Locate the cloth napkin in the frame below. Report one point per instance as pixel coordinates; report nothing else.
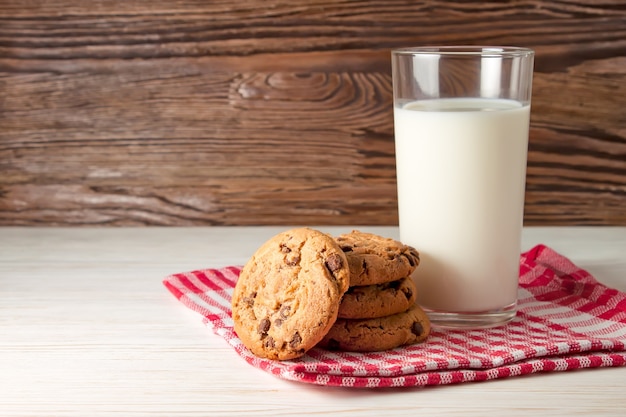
(566, 320)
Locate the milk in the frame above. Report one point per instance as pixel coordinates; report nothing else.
(461, 168)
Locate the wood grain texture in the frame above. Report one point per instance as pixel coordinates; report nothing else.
(270, 112)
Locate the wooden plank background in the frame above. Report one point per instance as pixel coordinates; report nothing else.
(280, 112)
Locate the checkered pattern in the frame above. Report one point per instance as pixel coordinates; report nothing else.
(566, 320)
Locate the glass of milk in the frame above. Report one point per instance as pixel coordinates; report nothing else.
(461, 118)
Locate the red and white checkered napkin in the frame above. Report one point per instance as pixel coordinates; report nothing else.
(566, 320)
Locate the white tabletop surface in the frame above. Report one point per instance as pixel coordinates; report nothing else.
(87, 329)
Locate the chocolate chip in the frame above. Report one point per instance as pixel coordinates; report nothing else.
(407, 293)
(284, 311)
(293, 260)
(269, 342)
(264, 327)
(249, 300)
(295, 340)
(346, 248)
(412, 256)
(278, 322)
(334, 262)
(417, 328)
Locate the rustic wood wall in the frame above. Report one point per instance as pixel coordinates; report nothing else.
(128, 112)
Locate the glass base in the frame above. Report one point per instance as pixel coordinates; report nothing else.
(468, 321)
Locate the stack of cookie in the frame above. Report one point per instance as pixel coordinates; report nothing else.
(378, 311)
(304, 288)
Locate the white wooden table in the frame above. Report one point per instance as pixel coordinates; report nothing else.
(87, 329)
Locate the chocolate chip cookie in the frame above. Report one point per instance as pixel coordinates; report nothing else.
(287, 295)
(375, 259)
(372, 335)
(378, 300)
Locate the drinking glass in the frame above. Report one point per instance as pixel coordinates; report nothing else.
(461, 120)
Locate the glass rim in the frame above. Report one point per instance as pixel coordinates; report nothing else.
(465, 50)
